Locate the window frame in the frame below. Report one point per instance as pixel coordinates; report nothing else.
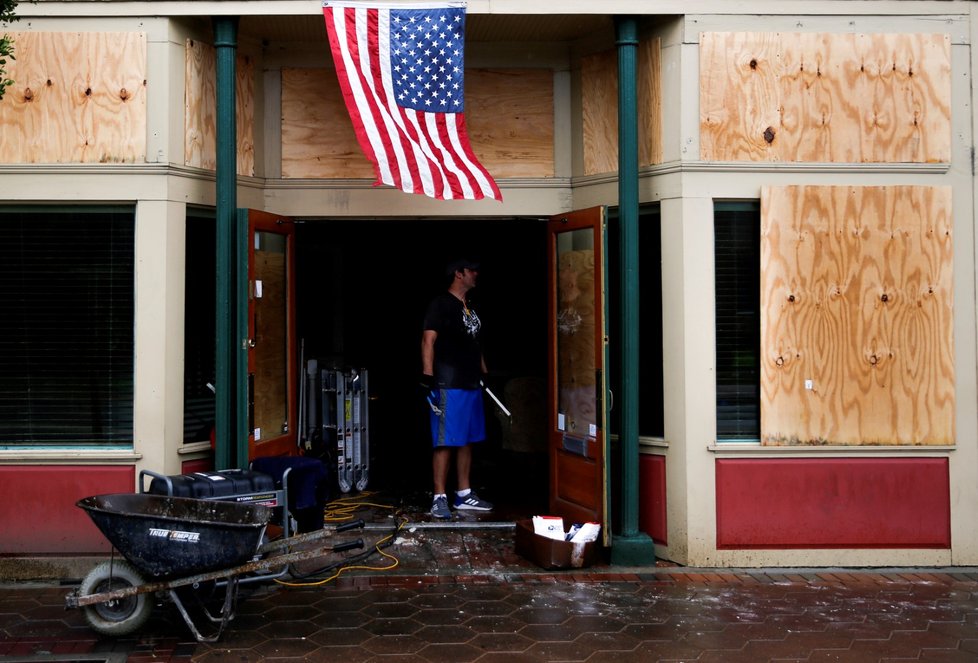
(749, 330)
(107, 326)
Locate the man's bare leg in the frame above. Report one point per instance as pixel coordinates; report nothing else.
(440, 458)
(463, 465)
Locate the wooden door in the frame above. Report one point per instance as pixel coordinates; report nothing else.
(272, 360)
(577, 345)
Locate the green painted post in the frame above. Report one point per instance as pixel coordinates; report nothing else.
(225, 379)
(631, 547)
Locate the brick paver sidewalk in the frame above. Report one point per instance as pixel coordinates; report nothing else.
(668, 615)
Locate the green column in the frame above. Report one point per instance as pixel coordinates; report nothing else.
(630, 547)
(225, 378)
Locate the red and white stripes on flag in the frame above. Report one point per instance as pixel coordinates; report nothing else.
(400, 69)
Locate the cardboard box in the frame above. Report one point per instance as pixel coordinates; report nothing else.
(551, 553)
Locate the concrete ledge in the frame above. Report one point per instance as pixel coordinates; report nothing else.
(49, 570)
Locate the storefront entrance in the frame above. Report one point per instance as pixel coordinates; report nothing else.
(361, 291)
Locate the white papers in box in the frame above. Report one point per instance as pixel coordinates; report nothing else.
(588, 532)
(551, 527)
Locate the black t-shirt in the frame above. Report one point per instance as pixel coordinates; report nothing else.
(458, 347)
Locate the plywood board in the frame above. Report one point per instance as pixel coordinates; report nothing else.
(816, 97)
(271, 343)
(508, 113)
(200, 109)
(77, 97)
(649, 102)
(510, 119)
(599, 112)
(576, 325)
(599, 102)
(857, 298)
(317, 134)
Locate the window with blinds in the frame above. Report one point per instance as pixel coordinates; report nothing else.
(737, 249)
(66, 342)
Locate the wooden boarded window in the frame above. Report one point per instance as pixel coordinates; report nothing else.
(857, 316)
(77, 97)
(509, 115)
(840, 98)
(200, 111)
(599, 101)
(317, 136)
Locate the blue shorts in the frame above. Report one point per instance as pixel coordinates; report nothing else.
(462, 419)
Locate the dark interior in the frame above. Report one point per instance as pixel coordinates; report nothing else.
(362, 287)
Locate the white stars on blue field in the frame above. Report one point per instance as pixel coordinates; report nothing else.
(427, 58)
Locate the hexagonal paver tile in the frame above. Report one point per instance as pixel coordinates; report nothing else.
(445, 634)
(594, 623)
(450, 653)
(486, 608)
(494, 624)
(335, 637)
(393, 644)
(341, 620)
(561, 651)
(389, 610)
(289, 613)
(392, 626)
(491, 642)
(283, 648)
(444, 616)
(289, 629)
(540, 615)
(347, 654)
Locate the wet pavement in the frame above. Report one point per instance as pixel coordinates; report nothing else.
(459, 592)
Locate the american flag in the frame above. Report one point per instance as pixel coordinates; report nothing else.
(400, 69)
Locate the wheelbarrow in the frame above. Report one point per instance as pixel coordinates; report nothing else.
(171, 543)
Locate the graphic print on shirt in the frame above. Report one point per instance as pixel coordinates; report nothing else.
(471, 321)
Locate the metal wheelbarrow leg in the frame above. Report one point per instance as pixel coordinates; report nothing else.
(225, 616)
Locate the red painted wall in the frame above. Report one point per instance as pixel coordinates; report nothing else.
(38, 512)
(197, 465)
(652, 497)
(833, 503)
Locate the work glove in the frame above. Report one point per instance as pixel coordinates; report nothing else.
(429, 389)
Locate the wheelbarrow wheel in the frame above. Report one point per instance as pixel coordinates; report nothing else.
(118, 616)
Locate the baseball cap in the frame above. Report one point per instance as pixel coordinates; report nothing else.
(459, 264)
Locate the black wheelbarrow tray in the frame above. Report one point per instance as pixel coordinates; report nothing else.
(176, 542)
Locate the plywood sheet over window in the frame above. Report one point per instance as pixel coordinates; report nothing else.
(317, 135)
(857, 316)
(77, 97)
(842, 98)
(200, 110)
(599, 101)
(509, 116)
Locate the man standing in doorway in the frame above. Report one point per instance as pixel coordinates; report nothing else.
(452, 366)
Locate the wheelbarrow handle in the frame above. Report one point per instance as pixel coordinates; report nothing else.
(348, 545)
(356, 524)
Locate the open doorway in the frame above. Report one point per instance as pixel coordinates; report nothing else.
(361, 290)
